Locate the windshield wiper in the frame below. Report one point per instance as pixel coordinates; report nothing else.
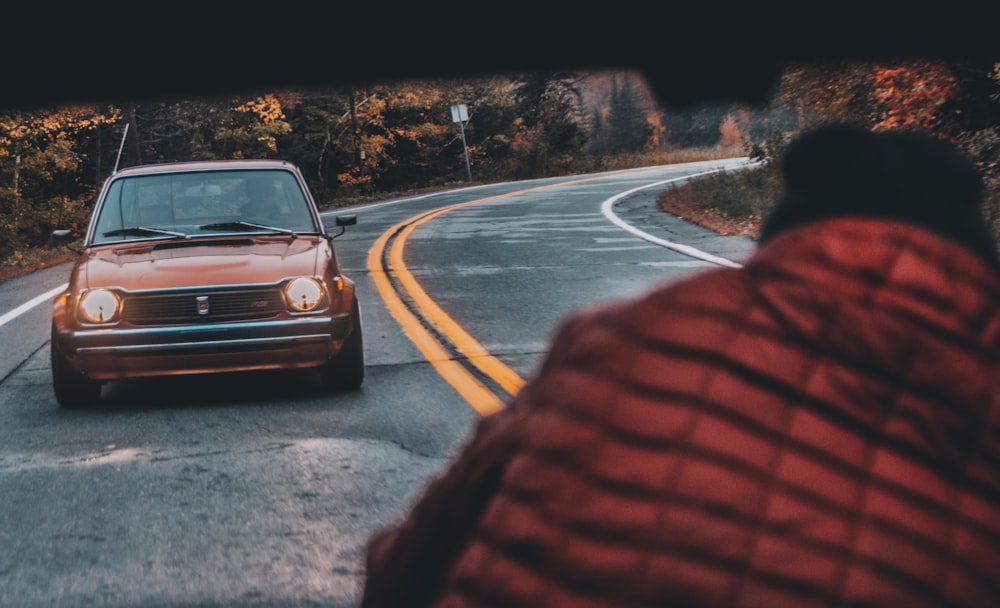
(244, 226)
(144, 231)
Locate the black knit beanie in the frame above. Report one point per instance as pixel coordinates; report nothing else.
(842, 170)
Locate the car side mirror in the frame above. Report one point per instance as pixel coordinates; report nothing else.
(343, 221)
(63, 236)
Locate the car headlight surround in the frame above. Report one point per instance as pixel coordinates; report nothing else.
(99, 306)
(304, 294)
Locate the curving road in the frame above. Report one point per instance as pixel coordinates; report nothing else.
(252, 490)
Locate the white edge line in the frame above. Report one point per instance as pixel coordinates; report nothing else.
(23, 308)
(608, 211)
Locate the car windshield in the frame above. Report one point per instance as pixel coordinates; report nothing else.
(145, 207)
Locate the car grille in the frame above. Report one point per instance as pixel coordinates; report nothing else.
(229, 305)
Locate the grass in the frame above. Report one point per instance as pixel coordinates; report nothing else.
(735, 203)
(730, 203)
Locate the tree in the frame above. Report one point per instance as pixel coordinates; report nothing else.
(489, 132)
(696, 127)
(909, 95)
(207, 129)
(836, 91)
(417, 124)
(252, 127)
(730, 133)
(628, 129)
(971, 116)
(45, 171)
(320, 140)
(398, 134)
(549, 121)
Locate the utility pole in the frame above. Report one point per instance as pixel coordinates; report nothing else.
(460, 114)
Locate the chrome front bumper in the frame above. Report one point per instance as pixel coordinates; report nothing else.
(116, 353)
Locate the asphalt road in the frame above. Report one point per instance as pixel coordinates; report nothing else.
(253, 489)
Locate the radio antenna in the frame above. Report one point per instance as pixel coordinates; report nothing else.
(120, 146)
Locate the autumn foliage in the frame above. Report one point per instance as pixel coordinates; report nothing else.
(959, 102)
(910, 96)
(389, 137)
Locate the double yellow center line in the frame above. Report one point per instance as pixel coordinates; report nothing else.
(481, 398)
(384, 268)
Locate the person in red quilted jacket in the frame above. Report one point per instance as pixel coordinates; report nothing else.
(820, 427)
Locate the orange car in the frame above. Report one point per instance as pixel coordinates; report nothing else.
(203, 267)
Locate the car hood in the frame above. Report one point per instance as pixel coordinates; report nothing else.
(201, 262)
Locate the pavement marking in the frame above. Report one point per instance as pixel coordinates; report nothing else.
(481, 398)
(474, 392)
(466, 344)
(23, 308)
(608, 210)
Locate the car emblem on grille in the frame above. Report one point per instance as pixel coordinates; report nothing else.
(202, 305)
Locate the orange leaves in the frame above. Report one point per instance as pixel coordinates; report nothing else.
(909, 95)
(730, 132)
(902, 94)
(267, 109)
(836, 91)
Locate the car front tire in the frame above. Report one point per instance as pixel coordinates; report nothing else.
(72, 389)
(346, 371)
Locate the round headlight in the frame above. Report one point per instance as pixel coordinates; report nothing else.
(304, 294)
(99, 306)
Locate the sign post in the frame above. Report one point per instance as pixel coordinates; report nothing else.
(460, 114)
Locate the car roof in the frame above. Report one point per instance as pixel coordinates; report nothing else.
(204, 165)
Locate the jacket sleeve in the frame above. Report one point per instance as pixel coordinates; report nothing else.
(407, 564)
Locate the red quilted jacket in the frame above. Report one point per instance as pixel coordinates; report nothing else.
(818, 428)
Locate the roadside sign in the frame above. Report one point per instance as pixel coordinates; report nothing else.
(460, 114)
